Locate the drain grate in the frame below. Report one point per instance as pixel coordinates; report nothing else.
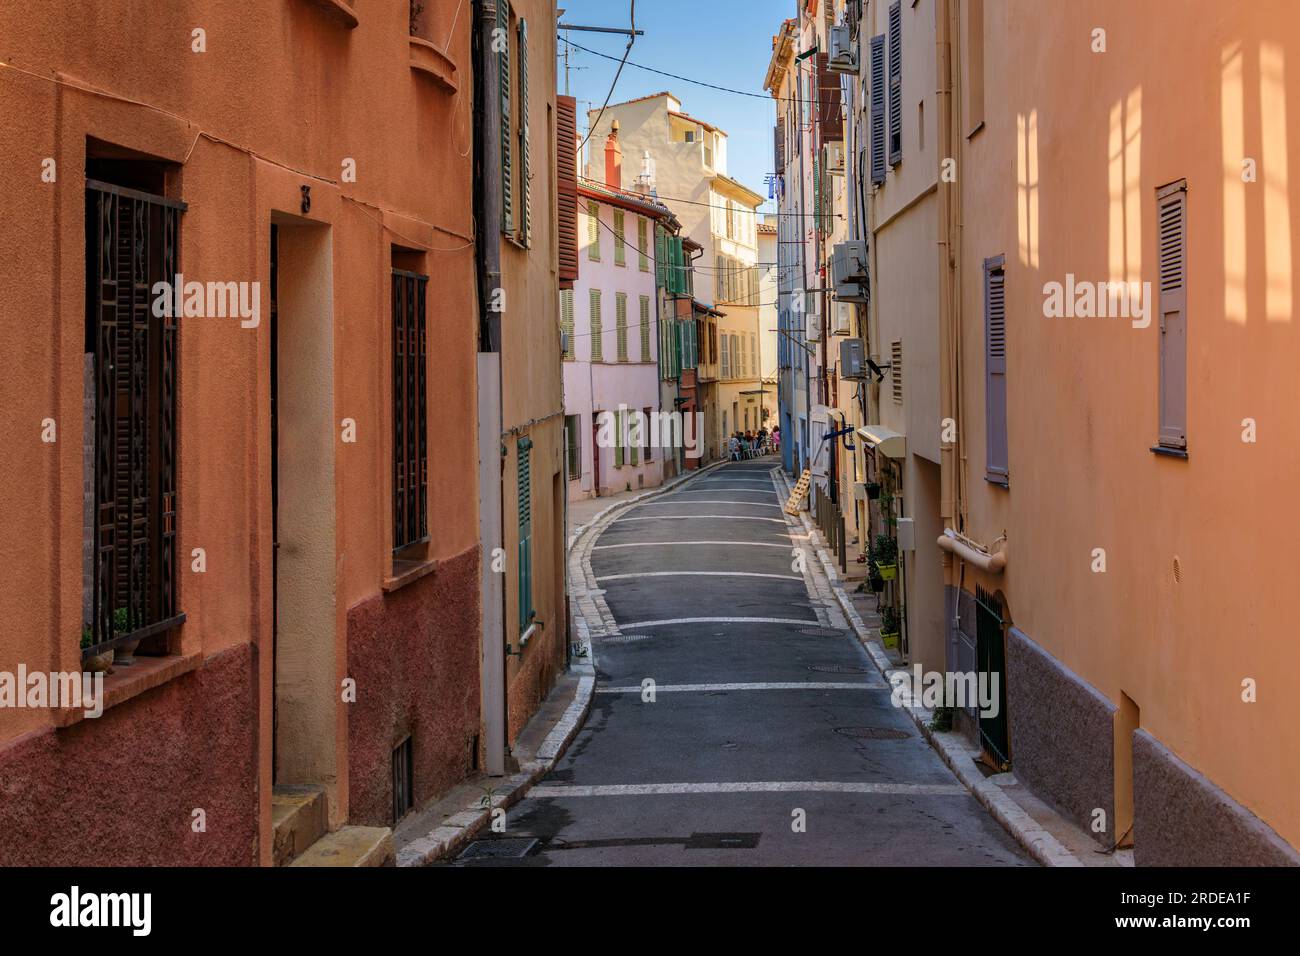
(872, 733)
(722, 841)
(507, 848)
(837, 669)
(822, 632)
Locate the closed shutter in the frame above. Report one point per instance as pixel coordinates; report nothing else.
(597, 346)
(895, 85)
(1171, 220)
(643, 263)
(878, 109)
(661, 255)
(526, 174)
(829, 116)
(778, 147)
(618, 438)
(523, 451)
(645, 328)
(566, 323)
(620, 324)
(620, 250)
(593, 231)
(507, 164)
(633, 437)
(995, 371)
(566, 176)
(573, 441)
(726, 357)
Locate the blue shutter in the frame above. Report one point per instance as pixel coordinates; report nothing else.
(878, 109)
(995, 372)
(895, 85)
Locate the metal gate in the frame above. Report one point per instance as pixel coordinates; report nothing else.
(990, 654)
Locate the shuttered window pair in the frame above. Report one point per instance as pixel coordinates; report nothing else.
(516, 186)
(887, 97)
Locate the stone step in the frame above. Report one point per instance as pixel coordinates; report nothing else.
(299, 817)
(351, 846)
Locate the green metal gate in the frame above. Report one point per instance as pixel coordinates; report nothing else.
(990, 654)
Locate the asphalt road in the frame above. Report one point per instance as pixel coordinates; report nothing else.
(768, 741)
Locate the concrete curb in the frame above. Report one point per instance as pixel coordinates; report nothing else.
(591, 616)
(952, 748)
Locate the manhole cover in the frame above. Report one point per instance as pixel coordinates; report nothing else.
(509, 848)
(722, 841)
(837, 669)
(872, 733)
(821, 632)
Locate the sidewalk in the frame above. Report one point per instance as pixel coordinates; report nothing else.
(1045, 834)
(443, 828)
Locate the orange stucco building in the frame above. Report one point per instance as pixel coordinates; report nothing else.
(278, 503)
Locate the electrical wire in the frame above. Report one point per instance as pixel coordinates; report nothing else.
(617, 73)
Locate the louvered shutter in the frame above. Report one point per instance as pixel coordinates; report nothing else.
(566, 160)
(1171, 221)
(995, 371)
(620, 246)
(507, 147)
(620, 324)
(526, 174)
(817, 191)
(895, 85)
(523, 451)
(878, 109)
(593, 231)
(778, 147)
(645, 328)
(566, 323)
(643, 263)
(661, 246)
(896, 369)
(618, 438)
(828, 101)
(597, 346)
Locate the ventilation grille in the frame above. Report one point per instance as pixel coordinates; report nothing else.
(896, 369)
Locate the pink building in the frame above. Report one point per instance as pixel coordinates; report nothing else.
(611, 320)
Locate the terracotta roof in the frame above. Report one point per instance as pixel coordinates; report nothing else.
(692, 119)
(624, 199)
(766, 229)
(640, 99)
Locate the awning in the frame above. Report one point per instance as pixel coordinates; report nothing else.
(889, 443)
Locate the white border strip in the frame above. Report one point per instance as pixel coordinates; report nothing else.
(779, 786)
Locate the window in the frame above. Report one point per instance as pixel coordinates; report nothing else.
(753, 355)
(573, 443)
(410, 429)
(516, 172)
(896, 369)
(895, 84)
(645, 328)
(566, 324)
(597, 346)
(1171, 222)
(646, 444)
(619, 425)
(974, 66)
(593, 231)
(725, 371)
(620, 324)
(132, 241)
(524, 492)
(878, 109)
(642, 262)
(620, 248)
(995, 372)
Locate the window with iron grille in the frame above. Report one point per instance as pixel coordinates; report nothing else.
(132, 242)
(410, 424)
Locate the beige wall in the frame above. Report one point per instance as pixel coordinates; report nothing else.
(1183, 91)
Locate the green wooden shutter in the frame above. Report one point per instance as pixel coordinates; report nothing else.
(597, 346)
(634, 444)
(620, 324)
(618, 438)
(566, 323)
(661, 254)
(523, 451)
(593, 231)
(645, 328)
(507, 166)
(620, 249)
(524, 151)
(642, 262)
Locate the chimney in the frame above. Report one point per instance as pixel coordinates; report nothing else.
(645, 180)
(613, 158)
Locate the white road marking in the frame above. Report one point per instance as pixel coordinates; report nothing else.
(779, 786)
(709, 501)
(707, 688)
(673, 544)
(684, 517)
(803, 621)
(707, 574)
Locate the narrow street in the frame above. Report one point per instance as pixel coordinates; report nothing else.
(763, 718)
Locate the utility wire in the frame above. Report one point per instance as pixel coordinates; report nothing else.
(713, 205)
(631, 38)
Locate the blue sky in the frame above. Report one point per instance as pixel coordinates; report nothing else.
(727, 42)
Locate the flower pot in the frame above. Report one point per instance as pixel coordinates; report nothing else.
(873, 490)
(125, 653)
(887, 571)
(889, 638)
(101, 663)
(877, 584)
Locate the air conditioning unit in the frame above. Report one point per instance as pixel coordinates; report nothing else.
(833, 158)
(841, 318)
(812, 317)
(844, 58)
(849, 270)
(853, 360)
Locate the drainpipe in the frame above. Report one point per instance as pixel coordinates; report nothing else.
(948, 292)
(487, 212)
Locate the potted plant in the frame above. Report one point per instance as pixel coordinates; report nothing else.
(101, 663)
(873, 490)
(890, 626)
(125, 654)
(886, 553)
